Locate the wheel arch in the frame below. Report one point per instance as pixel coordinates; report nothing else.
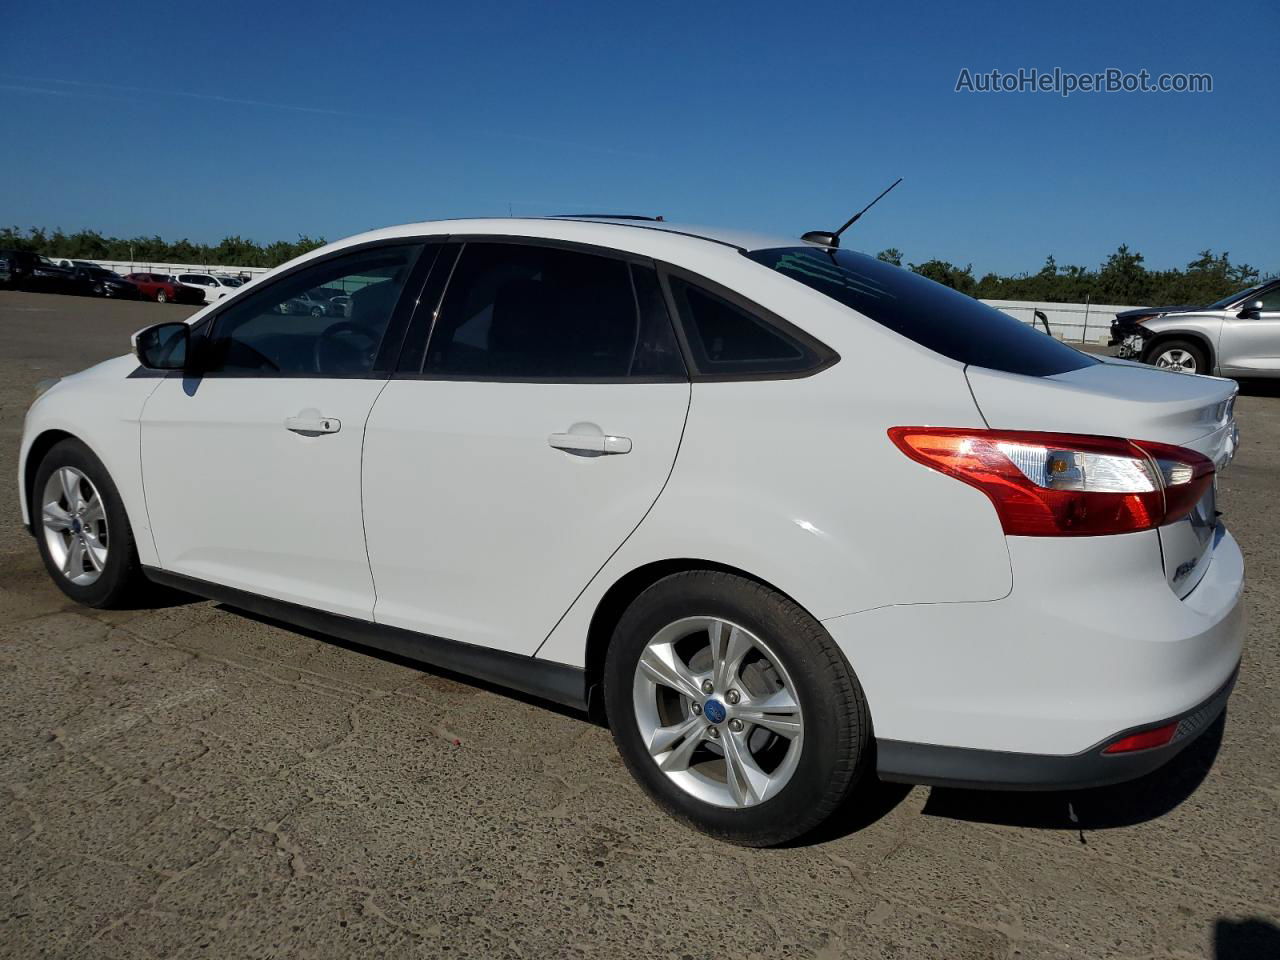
(1164, 336)
(40, 446)
(615, 600)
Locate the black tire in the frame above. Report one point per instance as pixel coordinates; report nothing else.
(834, 756)
(161, 297)
(317, 311)
(1189, 348)
(121, 579)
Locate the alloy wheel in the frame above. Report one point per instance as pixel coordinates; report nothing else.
(1176, 360)
(718, 712)
(74, 520)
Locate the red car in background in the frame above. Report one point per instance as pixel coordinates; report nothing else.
(163, 288)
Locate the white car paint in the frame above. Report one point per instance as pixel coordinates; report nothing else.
(486, 482)
(209, 450)
(458, 519)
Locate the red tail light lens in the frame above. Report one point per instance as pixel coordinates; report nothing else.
(1157, 737)
(1055, 484)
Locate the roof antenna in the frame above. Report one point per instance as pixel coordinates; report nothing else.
(833, 239)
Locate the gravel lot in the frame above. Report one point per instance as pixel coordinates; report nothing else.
(190, 781)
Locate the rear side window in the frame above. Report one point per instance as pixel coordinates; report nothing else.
(726, 339)
(527, 312)
(937, 317)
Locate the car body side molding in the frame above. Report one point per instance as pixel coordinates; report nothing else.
(545, 679)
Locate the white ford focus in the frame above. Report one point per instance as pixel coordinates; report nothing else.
(787, 515)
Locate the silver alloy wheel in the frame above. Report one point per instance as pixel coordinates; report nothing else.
(75, 525)
(718, 712)
(1176, 360)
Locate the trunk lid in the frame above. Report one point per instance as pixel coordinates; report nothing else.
(1116, 398)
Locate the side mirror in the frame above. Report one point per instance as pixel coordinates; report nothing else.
(1250, 311)
(163, 346)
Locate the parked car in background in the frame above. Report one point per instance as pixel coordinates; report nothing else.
(6, 275)
(213, 286)
(165, 289)
(98, 281)
(1238, 336)
(31, 271)
(743, 495)
(317, 303)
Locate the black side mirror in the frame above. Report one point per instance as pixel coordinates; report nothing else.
(162, 347)
(1250, 311)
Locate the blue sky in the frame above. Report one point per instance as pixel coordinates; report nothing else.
(275, 119)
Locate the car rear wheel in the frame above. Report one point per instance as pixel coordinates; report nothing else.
(734, 709)
(1178, 356)
(317, 311)
(81, 528)
(161, 297)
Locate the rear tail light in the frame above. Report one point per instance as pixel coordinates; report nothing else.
(1055, 485)
(1145, 740)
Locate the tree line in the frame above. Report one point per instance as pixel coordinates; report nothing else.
(91, 245)
(1122, 278)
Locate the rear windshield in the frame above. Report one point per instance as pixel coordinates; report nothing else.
(944, 320)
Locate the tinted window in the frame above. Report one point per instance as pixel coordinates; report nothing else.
(944, 320)
(279, 331)
(516, 311)
(728, 340)
(1270, 300)
(1243, 296)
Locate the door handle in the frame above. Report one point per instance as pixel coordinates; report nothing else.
(311, 426)
(589, 443)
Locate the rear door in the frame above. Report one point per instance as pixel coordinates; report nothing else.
(522, 444)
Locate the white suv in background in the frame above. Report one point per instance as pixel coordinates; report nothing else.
(790, 517)
(215, 286)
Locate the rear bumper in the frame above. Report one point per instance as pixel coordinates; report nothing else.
(1026, 691)
(905, 762)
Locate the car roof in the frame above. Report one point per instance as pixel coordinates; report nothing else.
(606, 231)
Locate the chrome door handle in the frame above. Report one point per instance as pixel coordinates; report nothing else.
(588, 443)
(312, 425)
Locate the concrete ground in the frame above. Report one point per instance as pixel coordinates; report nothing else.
(189, 781)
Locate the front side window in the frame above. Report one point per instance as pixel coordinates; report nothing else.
(937, 317)
(1270, 300)
(282, 330)
(529, 312)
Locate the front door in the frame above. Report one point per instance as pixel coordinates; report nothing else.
(251, 461)
(1250, 345)
(526, 445)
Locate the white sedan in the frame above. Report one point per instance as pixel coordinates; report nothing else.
(788, 516)
(215, 286)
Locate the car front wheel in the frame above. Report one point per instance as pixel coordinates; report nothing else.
(161, 297)
(81, 528)
(734, 709)
(1178, 356)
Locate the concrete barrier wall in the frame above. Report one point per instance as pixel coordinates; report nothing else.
(143, 266)
(1076, 322)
